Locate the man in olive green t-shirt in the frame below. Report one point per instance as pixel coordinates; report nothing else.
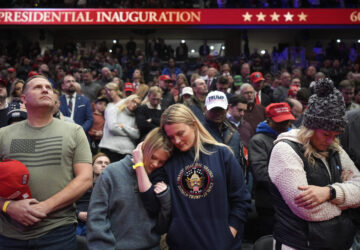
(58, 157)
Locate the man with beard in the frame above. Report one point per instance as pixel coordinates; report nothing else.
(255, 113)
(75, 106)
(219, 127)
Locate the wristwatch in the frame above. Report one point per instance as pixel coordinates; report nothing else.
(332, 192)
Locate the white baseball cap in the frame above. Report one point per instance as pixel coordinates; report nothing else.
(216, 99)
(187, 90)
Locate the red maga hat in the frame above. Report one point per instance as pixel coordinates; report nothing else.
(32, 73)
(12, 70)
(256, 76)
(129, 87)
(279, 112)
(14, 179)
(165, 78)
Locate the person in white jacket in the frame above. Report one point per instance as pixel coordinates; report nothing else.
(120, 131)
(313, 180)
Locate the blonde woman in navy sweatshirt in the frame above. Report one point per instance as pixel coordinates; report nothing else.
(208, 193)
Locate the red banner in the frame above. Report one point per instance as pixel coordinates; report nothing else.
(179, 16)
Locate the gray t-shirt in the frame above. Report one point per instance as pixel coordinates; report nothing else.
(49, 153)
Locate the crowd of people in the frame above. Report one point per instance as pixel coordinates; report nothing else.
(181, 151)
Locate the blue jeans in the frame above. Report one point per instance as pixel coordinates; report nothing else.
(61, 238)
(81, 228)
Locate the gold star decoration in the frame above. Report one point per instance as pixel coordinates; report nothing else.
(275, 17)
(302, 17)
(261, 17)
(247, 17)
(288, 17)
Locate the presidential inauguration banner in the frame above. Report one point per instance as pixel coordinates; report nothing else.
(180, 17)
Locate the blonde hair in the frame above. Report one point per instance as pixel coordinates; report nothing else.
(179, 113)
(114, 86)
(124, 104)
(304, 136)
(153, 90)
(142, 90)
(156, 139)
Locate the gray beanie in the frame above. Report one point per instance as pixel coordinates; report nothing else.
(326, 108)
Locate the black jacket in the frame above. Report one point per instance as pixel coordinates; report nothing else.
(229, 136)
(259, 149)
(167, 99)
(289, 229)
(142, 114)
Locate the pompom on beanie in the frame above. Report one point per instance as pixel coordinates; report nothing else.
(326, 108)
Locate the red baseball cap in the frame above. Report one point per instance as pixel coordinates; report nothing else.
(279, 112)
(256, 76)
(14, 179)
(32, 73)
(165, 78)
(12, 70)
(129, 87)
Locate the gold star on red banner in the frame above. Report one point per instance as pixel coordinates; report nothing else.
(275, 17)
(302, 17)
(247, 17)
(288, 17)
(261, 17)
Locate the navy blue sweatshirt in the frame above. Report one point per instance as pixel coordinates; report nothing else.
(207, 197)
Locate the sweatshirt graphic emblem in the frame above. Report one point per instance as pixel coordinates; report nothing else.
(195, 181)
